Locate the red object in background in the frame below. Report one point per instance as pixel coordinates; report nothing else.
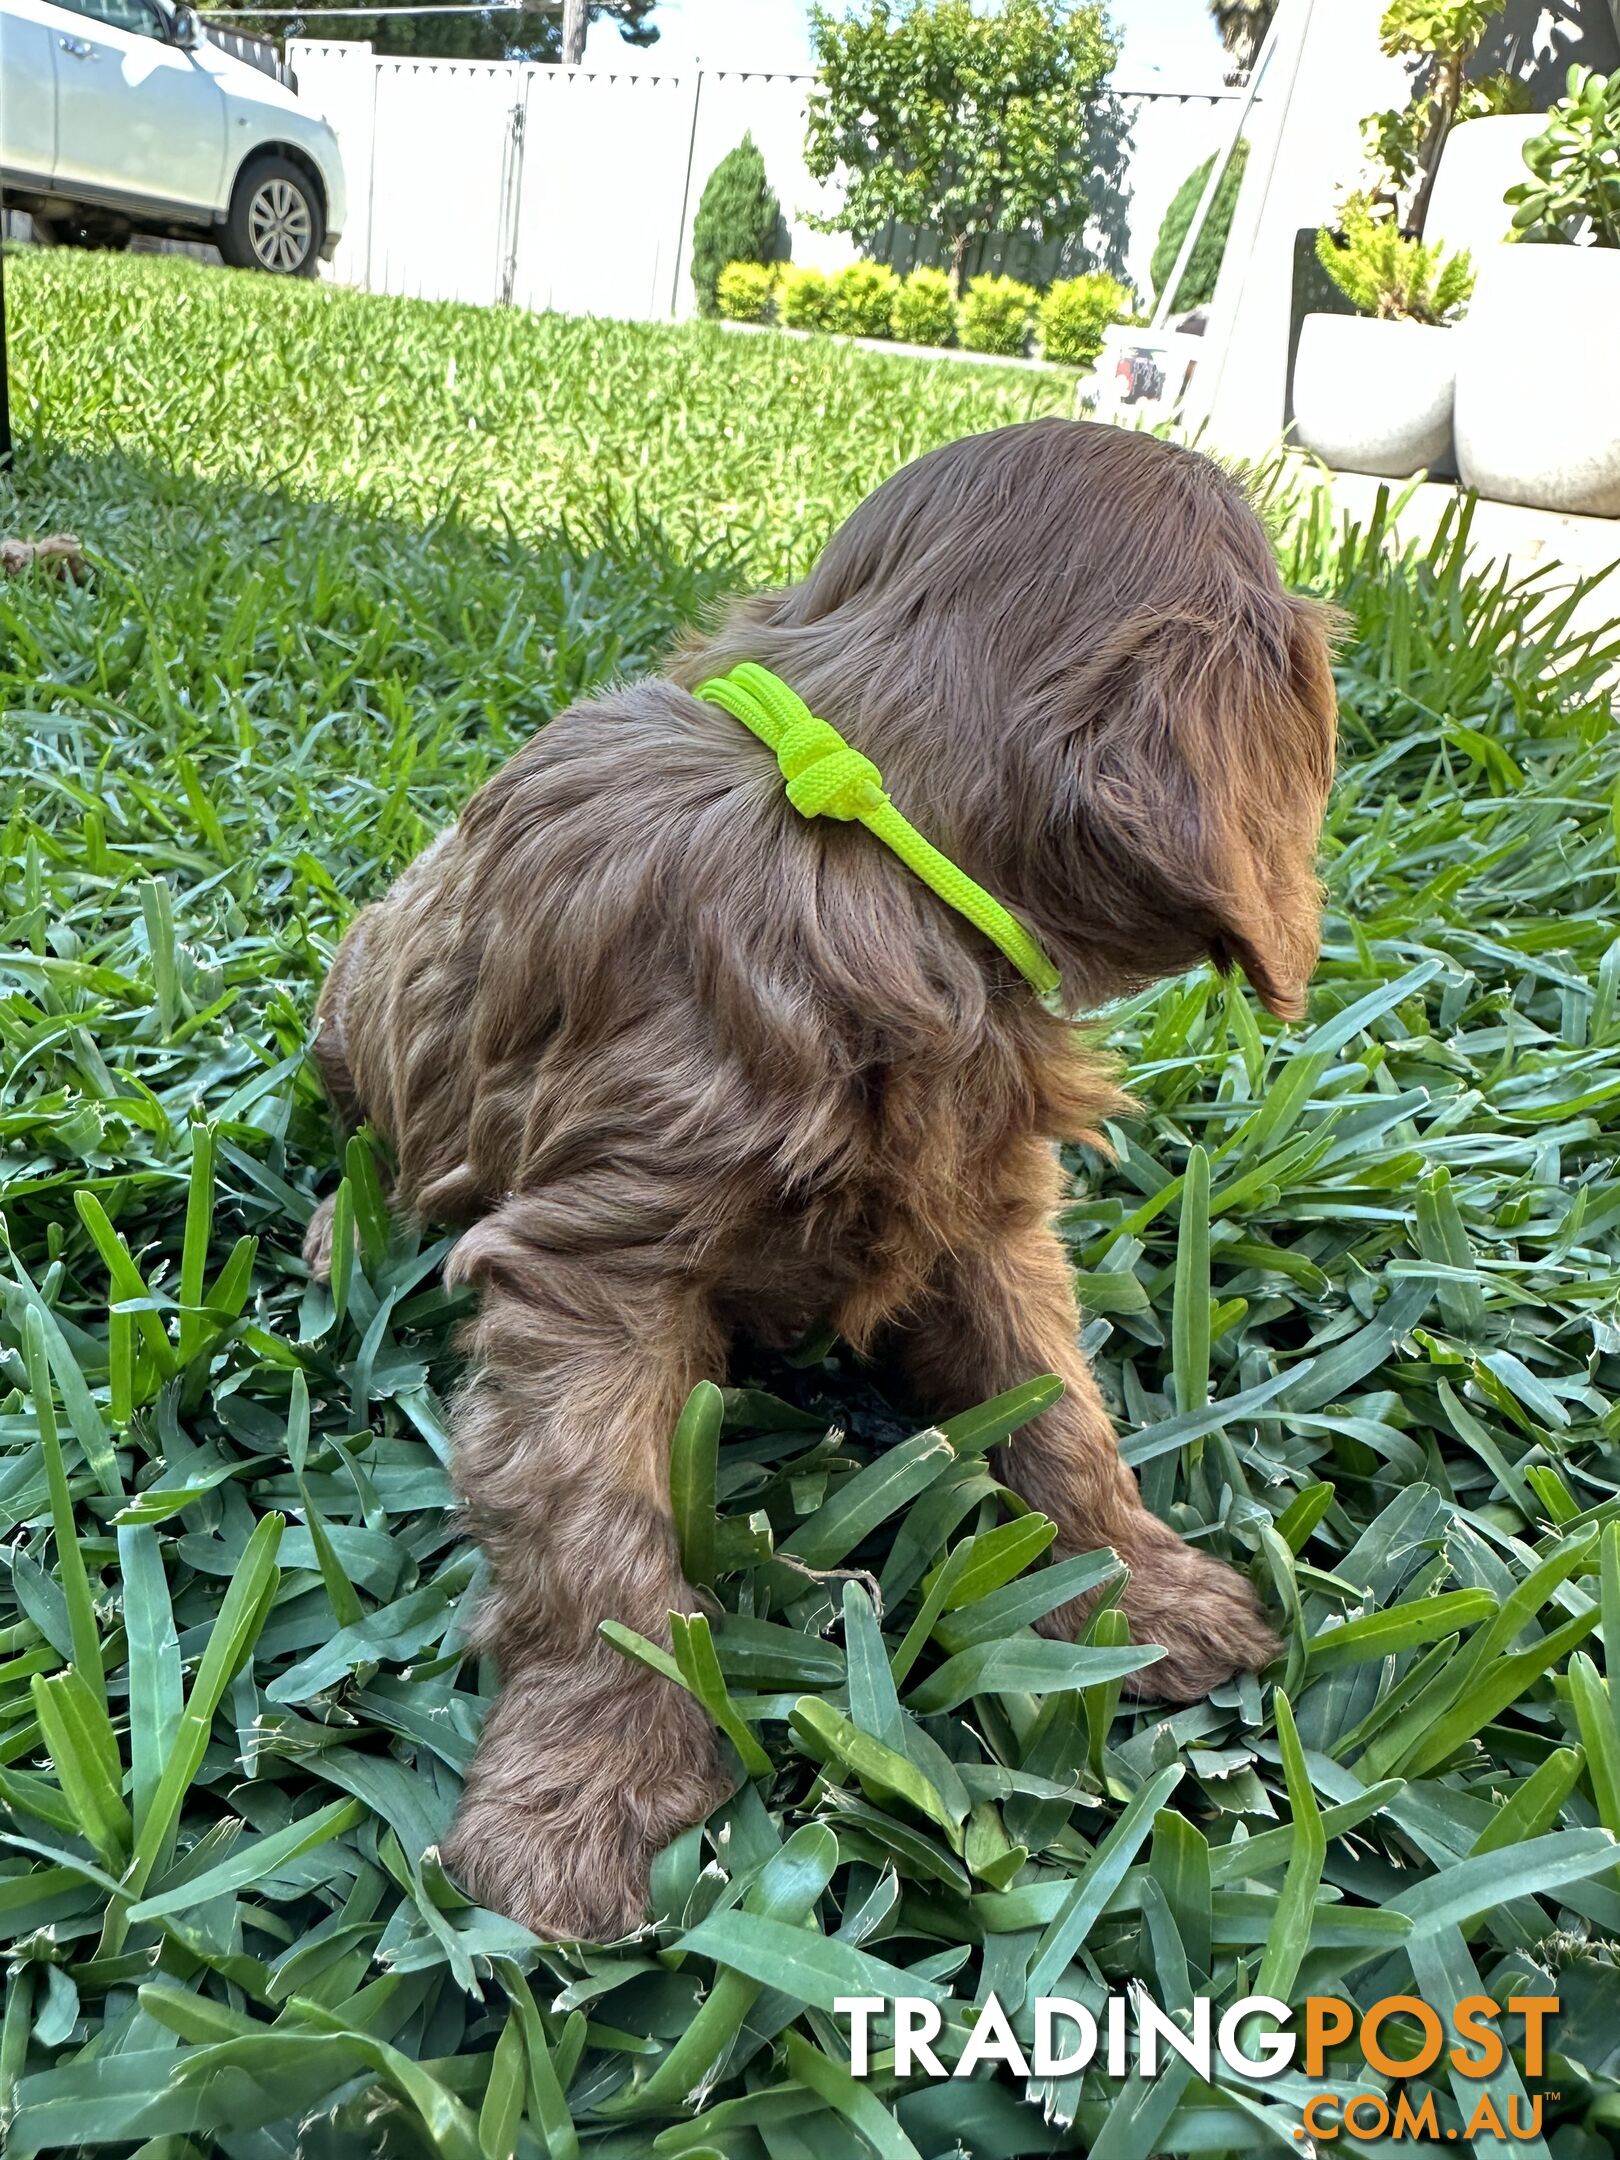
(1141, 374)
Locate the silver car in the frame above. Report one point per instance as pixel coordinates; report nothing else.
(121, 116)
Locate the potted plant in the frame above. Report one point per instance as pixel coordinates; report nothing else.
(1538, 417)
(1373, 390)
(1438, 39)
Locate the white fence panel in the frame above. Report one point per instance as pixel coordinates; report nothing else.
(604, 179)
(338, 77)
(444, 178)
(576, 189)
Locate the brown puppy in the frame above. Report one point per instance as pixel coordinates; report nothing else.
(684, 1060)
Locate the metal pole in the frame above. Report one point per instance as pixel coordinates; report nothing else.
(1217, 173)
(686, 198)
(1223, 322)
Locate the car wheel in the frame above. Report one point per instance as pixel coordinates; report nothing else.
(275, 221)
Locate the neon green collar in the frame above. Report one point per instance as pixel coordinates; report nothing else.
(827, 778)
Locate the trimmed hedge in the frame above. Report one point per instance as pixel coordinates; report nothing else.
(924, 308)
(746, 291)
(1074, 314)
(996, 316)
(862, 300)
(804, 298)
(866, 299)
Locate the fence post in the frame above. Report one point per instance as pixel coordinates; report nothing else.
(371, 166)
(512, 187)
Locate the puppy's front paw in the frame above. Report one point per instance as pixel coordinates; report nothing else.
(573, 1881)
(566, 1848)
(1203, 1612)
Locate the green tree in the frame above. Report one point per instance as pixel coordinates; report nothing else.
(738, 220)
(1439, 37)
(526, 36)
(935, 112)
(1197, 287)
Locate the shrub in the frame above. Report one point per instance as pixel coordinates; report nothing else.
(1441, 37)
(923, 311)
(804, 299)
(745, 291)
(862, 297)
(996, 316)
(738, 220)
(1574, 189)
(1075, 313)
(1382, 273)
(1197, 286)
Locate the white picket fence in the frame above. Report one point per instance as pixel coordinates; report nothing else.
(574, 189)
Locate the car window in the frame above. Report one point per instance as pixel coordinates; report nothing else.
(135, 16)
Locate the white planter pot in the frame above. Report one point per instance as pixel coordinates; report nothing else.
(1538, 418)
(1481, 160)
(1374, 397)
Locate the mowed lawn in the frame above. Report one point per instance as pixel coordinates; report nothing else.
(1351, 1289)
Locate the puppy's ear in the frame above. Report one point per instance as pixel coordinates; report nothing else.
(1202, 776)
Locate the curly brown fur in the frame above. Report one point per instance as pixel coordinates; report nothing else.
(683, 1061)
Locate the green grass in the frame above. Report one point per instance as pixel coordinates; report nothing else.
(1352, 1294)
(409, 409)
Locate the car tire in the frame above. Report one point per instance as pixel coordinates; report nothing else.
(276, 222)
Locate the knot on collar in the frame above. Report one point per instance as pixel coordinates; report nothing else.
(826, 776)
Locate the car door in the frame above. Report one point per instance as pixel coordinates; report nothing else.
(135, 115)
(27, 90)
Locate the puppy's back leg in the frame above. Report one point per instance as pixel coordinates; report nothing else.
(588, 1763)
(1002, 1315)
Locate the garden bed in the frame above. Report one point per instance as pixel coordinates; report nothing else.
(916, 352)
(1351, 1293)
